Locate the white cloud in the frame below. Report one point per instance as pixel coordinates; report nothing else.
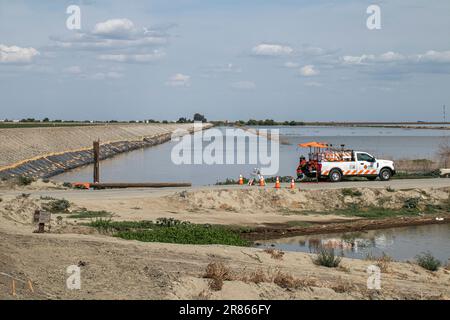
(105, 75)
(114, 28)
(371, 58)
(17, 55)
(272, 50)
(133, 58)
(430, 56)
(291, 65)
(117, 40)
(179, 80)
(309, 71)
(435, 56)
(243, 85)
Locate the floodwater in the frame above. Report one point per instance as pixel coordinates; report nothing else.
(155, 164)
(399, 243)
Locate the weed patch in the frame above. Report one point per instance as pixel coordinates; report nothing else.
(428, 262)
(58, 205)
(171, 231)
(24, 181)
(274, 254)
(89, 214)
(327, 258)
(351, 192)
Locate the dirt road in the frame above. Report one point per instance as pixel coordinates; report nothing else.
(148, 192)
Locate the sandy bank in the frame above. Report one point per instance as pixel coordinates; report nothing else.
(112, 268)
(118, 269)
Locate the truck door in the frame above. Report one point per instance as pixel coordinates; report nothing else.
(365, 164)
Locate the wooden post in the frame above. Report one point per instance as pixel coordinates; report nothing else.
(13, 287)
(97, 161)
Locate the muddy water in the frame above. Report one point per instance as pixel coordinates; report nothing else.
(400, 243)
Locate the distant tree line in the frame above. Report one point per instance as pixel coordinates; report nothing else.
(197, 117)
(253, 122)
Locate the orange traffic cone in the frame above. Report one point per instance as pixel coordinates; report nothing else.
(261, 182)
(292, 184)
(241, 180)
(277, 183)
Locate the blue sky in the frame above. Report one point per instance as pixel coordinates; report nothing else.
(286, 60)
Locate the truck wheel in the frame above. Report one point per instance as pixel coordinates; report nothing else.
(335, 175)
(385, 174)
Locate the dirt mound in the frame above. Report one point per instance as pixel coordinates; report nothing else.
(291, 201)
(19, 209)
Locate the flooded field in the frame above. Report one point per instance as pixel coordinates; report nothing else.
(399, 243)
(155, 164)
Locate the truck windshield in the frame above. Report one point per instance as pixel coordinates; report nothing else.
(364, 157)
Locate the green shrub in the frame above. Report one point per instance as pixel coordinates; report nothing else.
(351, 192)
(89, 214)
(428, 262)
(59, 205)
(411, 203)
(169, 222)
(327, 258)
(171, 231)
(24, 181)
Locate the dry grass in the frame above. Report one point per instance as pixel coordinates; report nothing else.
(287, 281)
(203, 295)
(257, 276)
(444, 154)
(274, 254)
(417, 165)
(383, 262)
(217, 272)
(343, 286)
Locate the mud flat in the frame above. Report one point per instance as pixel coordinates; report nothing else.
(45, 152)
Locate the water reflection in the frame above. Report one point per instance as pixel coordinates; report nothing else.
(399, 243)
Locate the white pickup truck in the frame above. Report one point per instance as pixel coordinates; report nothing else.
(335, 165)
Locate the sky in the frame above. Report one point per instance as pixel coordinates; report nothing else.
(304, 60)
